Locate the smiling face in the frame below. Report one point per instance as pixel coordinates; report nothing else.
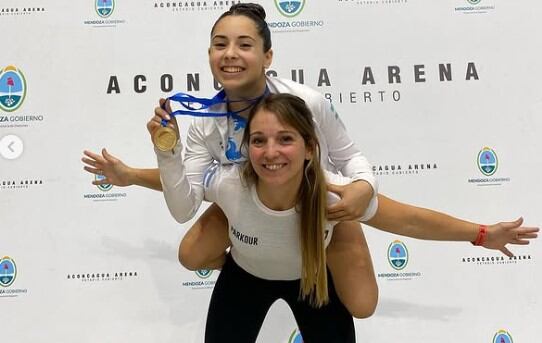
(237, 58)
(277, 152)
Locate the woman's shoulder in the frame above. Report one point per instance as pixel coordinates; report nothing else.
(310, 95)
(336, 179)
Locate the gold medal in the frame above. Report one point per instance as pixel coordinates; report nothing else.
(164, 138)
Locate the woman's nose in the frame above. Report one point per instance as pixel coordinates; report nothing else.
(271, 150)
(231, 51)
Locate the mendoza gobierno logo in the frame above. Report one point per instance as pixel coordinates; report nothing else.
(105, 186)
(203, 281)
(398, 258)
(12, 88)
(487, 161)
(204, 273)
(289, 8)
(104, 8)
(488, 164)
(475, 7)
(8, 271)
(398, 255)
(502, 336)
(105, 194)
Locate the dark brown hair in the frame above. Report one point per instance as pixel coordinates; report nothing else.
(254, 12)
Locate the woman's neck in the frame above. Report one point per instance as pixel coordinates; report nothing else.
(244, 100)
(278, 198)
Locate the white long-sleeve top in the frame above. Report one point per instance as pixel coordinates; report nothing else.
(211, 139)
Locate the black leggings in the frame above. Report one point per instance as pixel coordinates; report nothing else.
(240, 302)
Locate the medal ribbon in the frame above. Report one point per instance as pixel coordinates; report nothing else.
(187, 101)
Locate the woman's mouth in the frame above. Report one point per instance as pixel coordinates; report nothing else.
(231, 69)
(274, 166)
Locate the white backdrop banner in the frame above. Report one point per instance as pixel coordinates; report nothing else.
(443, 97)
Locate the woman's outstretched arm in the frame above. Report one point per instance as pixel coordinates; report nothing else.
(416, 222)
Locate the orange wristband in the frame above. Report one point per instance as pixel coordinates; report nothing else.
(481, 238)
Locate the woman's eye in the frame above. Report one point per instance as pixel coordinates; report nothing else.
(256, 141)
(286, 139)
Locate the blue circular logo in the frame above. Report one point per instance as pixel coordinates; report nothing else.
(398, 255)
(12, 88)
(290, 8)
(8, 271)
(104, 8)
(295, 337)
(106, 186)
(487, 161)
(502, 336)
(204, 273)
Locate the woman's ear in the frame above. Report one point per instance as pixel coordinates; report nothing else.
(309, 152)
(268, 58)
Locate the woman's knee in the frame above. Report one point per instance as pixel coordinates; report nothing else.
(193, 256)
(188, 256)
(362, 306)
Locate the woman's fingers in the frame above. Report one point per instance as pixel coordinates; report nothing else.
(92, 170)
(95, 157)
(89, 161)
(507, 252)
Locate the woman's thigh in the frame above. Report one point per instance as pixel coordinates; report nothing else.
(331, 323)
(349, 261)
(238, 306)
(204, 244)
